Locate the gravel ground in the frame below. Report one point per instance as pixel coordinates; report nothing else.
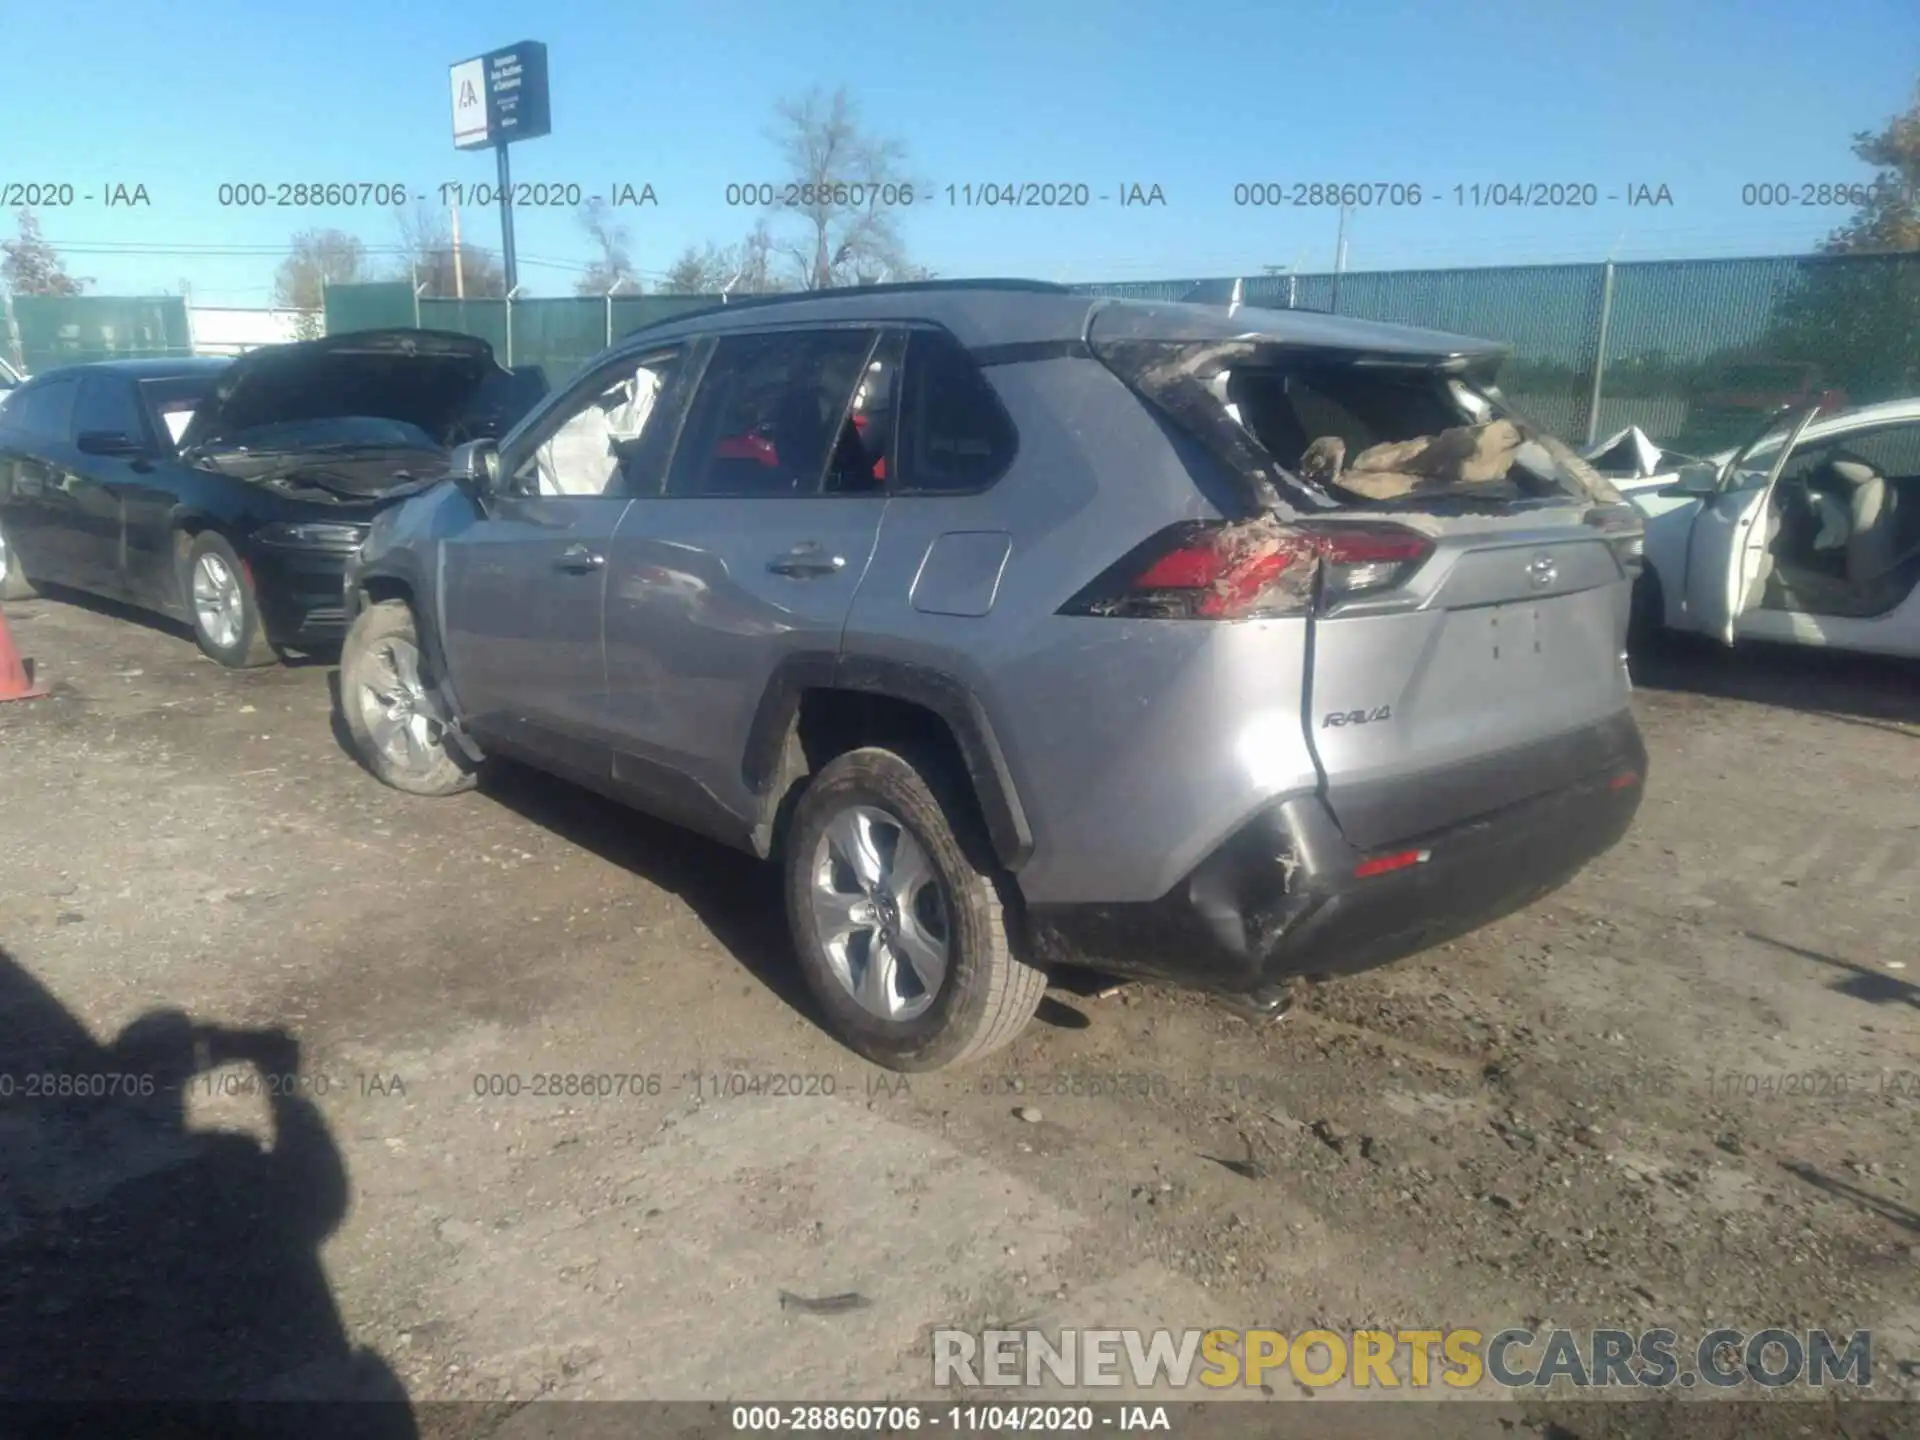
(1683, 1091)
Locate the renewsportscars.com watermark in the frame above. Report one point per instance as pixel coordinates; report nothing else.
(1458, 1359)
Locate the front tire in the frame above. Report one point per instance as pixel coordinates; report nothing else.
(393, 708)
(14, 584)
(897, 912)
(225, 611)
(1647, 619)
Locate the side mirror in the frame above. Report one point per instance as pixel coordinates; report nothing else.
(108, 442)
(1698, 481)
(475, 468)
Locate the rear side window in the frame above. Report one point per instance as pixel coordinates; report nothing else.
(107, 403)
(955, 434)
(770, 412)
(172, 403)
(43, 412)
(1894, 452)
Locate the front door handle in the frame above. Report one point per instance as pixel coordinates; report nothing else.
(807, 560)
(578, 560)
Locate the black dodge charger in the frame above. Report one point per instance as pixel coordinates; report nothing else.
(230, 493)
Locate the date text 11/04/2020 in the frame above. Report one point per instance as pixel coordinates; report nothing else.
(985, 194)
(1399, 194)
(700, 1084)
(995, 1419)
(391, 194)
(65, 195)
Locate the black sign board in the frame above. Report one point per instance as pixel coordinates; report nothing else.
(501, 97)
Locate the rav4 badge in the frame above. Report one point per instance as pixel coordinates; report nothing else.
(1357, 717)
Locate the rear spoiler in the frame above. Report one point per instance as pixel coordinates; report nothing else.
(1232, 294)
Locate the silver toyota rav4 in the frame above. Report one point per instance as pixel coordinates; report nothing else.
(1210, 645)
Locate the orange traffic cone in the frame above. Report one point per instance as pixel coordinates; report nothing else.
(16, 673)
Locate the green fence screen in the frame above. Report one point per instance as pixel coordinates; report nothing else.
(559, 334)
(381, 305)
(44, 331)
(1693, 349)
(1689, 350)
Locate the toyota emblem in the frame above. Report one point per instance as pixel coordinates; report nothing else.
(1542, 572)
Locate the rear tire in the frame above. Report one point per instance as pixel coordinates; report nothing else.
(1647, 620)
(222, 607)
(930, 887)
(391, 703)
(14, 584)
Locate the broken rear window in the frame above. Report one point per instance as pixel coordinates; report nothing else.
(1319, 429)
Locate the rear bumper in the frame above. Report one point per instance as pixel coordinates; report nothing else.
(301, 593)
(1282, 897)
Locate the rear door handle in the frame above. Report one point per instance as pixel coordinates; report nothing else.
(807, 560)
(578, 560)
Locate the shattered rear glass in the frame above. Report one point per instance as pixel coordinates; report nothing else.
(1318, 428)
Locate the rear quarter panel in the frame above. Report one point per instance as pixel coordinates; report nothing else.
(1135, 746)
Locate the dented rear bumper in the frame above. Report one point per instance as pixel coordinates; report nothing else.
(1289, 895)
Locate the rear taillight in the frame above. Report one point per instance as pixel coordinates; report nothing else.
(1356, 562)
(1625, 531)
(1243, 570)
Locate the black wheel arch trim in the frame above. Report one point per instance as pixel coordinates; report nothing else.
(933, 690)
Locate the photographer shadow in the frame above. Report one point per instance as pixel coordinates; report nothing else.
(144, 1262)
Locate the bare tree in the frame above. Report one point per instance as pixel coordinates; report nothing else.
(426, 244)
(318, 258)
(751, 270)
(700, 270)
(743, 269)
(34, 267)
(613, 265)
(847, 232)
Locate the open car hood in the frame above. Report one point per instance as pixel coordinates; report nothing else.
(448, 385)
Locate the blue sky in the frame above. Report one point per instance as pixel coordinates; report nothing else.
(1702, 97)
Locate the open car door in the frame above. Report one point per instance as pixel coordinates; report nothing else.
(1727, 554)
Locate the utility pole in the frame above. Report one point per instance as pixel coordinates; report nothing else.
(459, 272)
(1340, 255)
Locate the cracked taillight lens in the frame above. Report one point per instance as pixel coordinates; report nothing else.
(1251, 569)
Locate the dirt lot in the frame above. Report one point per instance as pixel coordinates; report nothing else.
(1684, 1091)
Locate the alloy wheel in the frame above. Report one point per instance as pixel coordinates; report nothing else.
(881, 912)
(219, 606)
(402, 715)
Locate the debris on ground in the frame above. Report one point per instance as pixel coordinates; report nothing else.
(825, 1304)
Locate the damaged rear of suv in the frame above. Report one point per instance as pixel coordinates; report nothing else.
(1417, 608)
(1027, 628)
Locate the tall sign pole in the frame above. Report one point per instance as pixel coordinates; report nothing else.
(498, 98)
(506, 217)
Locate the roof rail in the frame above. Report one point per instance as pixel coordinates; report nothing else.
(904, 287)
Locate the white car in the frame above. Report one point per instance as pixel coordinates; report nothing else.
(10, 380)
(1809, 534)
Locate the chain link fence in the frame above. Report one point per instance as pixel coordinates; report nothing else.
(558, 334)
(40, 332)
(1692, 351)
